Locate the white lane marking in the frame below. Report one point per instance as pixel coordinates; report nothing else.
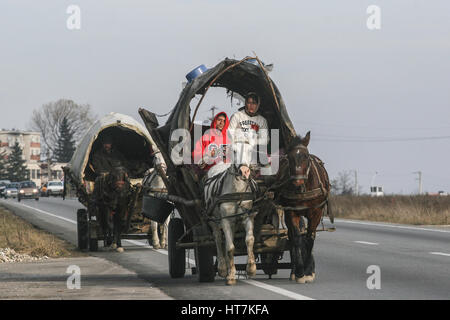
(50, 214)
(280, 291)
(366, 242)
(392, 226)
(255, 283)
(441, 254)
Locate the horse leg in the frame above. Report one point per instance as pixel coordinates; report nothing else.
(313, 221)
(118, 230)
(221, 261)
(291, 236)
(296, 239)
(155, 238)
(110, 229)
(250, 241)
(229, 251)
(164, 232)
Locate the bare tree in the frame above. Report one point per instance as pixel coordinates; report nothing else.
(48, 118)
(343, 184)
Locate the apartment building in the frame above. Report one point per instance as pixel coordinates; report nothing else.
(30, 142)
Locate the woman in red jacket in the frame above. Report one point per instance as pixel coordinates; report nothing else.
(209, 149)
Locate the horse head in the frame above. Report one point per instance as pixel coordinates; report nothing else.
(118, 180)
(299, 160)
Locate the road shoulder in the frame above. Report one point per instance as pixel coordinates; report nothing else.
(55, 279)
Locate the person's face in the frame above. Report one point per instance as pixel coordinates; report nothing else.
(107, 147)
(220, 122)
(251, 105)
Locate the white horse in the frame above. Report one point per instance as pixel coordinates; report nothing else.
(154, 182)
(227, 215)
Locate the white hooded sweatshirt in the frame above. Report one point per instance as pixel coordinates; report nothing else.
(246, 132)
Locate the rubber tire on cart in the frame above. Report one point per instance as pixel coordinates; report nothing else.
(204, 259)
(82, 229)
(177, 257)
(93, 244)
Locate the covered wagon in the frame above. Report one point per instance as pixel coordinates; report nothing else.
(132, 140)
(192, 230)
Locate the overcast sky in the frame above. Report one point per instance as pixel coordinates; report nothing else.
(374, 100)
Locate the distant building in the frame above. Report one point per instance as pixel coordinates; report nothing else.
(376, 191)
(56, 172)
(30, 142)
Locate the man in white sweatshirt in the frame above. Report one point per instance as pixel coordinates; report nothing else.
(248, 129)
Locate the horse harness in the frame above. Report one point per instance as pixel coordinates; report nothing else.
(229, 197)
(307, 195)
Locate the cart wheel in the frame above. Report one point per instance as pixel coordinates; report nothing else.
(93, 241)
(204, 259)
(82, 229)
(93, 244)
(269, 263)
(177, 257)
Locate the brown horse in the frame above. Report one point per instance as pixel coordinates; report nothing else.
(112, 198)
(304, 192)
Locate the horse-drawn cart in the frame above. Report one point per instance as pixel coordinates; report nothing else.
(94, 222)
(198, 228)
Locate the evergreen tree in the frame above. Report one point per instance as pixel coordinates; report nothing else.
(17, 170)
(65, 145)
(3, 171)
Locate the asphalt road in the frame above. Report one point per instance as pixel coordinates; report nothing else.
(360, 260)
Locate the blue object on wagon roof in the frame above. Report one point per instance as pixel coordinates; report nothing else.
(196, 72)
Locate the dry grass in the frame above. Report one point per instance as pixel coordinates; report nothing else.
(416, 210)
(24, 238)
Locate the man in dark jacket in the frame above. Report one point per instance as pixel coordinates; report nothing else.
(105, 159)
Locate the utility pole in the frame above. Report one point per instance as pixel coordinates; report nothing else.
(356, 183)
(420, 181)
(213, 108)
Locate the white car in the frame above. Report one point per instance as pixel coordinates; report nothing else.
(55, 188)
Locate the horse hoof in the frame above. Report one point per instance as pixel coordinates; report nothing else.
(251, 270)
(310, 278)
(156, 246)
(231, 282)
(301, 280)
(292, 277)
(120, 249)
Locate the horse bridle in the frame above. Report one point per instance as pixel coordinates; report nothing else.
(305, 176)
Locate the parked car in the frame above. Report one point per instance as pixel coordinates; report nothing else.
(55, 188)
(28, 190)
(3, 184)
(12, 190)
